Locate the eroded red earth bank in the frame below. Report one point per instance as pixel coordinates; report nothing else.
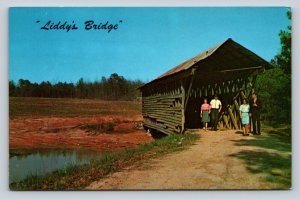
(95, 133)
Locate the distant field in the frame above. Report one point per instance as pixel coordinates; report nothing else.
(47, 107)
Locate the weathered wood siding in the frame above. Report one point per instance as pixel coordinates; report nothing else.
(162, 108)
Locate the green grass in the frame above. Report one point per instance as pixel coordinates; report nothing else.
(273, 158)
(55, 107)
(77, 177)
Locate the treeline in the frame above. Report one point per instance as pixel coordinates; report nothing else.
(274, 85)
(113, 88)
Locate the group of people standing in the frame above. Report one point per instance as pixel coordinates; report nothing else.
(251, 110)
(210, 113)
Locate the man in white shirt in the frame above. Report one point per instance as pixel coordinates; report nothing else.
(215, 109)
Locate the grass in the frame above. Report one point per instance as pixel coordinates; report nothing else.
(273, 158)
(55, 107)
(77, 177)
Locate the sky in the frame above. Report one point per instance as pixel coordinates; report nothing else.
(146, 43)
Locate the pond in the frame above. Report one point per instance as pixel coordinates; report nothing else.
(40, 162)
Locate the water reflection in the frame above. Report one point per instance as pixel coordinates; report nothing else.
(40, 162)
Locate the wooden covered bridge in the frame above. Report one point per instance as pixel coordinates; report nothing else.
(171, 103)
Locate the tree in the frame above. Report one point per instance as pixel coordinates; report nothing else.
(283, 58)
(274, 86)
(113, 88)
(12, 88)
(46, 89)
(80, 89)
(25, 88)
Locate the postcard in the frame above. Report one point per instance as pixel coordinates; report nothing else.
(150, 98)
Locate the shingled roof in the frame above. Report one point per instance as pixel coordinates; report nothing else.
(226, 55)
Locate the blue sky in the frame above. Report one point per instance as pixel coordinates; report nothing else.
(148, 41)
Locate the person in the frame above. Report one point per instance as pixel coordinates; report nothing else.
(244, 115)
(215, 109)
(205, 111)
(255, 107)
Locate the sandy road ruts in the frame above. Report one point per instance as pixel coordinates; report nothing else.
(205, 165)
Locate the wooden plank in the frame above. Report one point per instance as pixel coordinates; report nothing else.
(159, 105)
(176, 119)
(162, 96)
(249, 89)
(242, 94)
(163, 109)
(189, 89)
(182, 107)
(160, 125)
(232, 118)
(166, 131)
(159, 128)
(162, 113)
(170, 124)
(160, 109)
(163, 101)
(225, 120)
(156, 127)
(157, 115)
(162, 106)
(167, 99)
(172, 121)
(236, 96)
(237, 106)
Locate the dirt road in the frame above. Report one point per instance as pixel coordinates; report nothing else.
(209, 164)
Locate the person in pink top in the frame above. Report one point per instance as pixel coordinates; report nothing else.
(205, 111)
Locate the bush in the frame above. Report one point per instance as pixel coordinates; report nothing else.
(274, 89)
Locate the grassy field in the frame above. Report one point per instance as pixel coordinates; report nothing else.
(78, 177)
(273, 160)
(54, 107)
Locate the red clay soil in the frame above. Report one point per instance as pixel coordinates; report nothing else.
(67, 133)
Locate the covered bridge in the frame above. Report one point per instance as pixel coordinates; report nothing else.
(171, 103)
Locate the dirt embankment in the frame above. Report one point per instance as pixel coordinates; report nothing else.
(96, 133)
